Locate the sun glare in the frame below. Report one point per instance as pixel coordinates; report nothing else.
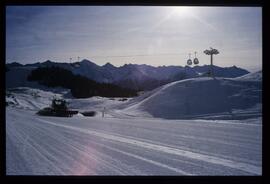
(182, 11)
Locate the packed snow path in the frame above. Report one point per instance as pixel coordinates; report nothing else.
(38, 145)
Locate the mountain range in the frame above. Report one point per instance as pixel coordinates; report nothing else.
(133, 76)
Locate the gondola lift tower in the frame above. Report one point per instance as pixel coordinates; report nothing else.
(211, 52)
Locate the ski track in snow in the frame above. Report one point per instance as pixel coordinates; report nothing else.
(241, 166)
(94, 146)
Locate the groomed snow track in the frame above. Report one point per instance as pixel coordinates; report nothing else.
(109, 146)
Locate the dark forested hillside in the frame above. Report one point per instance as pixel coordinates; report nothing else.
(81, 87)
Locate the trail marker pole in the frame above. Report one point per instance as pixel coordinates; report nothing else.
(103, 112)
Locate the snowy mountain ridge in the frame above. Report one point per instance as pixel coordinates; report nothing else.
(134, 76)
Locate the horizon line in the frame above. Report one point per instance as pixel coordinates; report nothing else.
(121, 65)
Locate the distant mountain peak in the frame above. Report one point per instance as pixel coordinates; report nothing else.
(84, 60)
(108, 65)
(13, 64)
(87, 62)
(48, 61)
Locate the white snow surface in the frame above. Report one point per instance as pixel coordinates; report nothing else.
(142, 135)
(37, 145)
(255, 76)
(201, 97)
(30, 98)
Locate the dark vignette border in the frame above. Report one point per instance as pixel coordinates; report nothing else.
(135, 179)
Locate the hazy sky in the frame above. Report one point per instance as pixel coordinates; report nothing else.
(134, 34)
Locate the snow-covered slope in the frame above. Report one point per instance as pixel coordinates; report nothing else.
(36, 99)
(204, 97)
(199, 97)
(37, 145)
(125, 142)
(255, 76)
(31, 99)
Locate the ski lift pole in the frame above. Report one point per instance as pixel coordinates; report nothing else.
(211, 52)
(211, 67)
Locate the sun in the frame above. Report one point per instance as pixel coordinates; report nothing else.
(182, 11)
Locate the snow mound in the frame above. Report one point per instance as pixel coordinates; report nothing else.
(201, 96)
(96, 103)
(36, 99)
(29, 98)
(256, 76)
